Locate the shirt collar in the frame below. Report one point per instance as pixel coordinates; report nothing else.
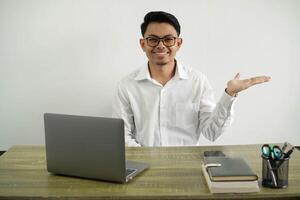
(144, 73)
(181, 71)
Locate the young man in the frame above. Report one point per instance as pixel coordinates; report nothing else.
(165, 103)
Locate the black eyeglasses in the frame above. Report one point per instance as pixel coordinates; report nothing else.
(168, 41)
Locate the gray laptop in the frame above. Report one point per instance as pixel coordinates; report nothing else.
(88, 147)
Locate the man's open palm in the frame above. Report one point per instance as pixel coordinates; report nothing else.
(236, 85)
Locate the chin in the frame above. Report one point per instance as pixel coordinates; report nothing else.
(161, 63)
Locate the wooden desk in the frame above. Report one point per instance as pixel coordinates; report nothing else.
(175, 173)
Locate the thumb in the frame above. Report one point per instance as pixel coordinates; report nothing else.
(237, 76)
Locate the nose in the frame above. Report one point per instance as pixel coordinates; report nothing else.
(160, 44)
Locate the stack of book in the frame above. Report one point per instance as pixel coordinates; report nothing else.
(229, 175)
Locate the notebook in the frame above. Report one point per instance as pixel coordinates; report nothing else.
(229, 169)
(229, 186)
(88, 147)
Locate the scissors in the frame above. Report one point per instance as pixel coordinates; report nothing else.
(271, 152)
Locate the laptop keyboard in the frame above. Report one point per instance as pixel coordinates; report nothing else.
(130, 171)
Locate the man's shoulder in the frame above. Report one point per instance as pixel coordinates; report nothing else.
(131, 76)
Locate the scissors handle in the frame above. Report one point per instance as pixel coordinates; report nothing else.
(273, 152)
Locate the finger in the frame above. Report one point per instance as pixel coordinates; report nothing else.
(237, 76)
(259, 79)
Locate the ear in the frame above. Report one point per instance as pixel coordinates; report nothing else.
(142, 44)
(179, 42)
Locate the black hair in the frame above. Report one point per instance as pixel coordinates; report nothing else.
(160, 17)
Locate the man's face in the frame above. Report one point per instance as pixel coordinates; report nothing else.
(165, 51)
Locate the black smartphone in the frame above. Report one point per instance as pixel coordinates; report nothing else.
(213, 154)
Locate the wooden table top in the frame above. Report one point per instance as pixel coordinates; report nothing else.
(174, 173)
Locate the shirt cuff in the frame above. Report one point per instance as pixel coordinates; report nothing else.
(227, 100)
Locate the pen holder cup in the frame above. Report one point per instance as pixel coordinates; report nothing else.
(275, 172)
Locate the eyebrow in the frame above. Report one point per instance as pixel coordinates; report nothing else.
(151, 35)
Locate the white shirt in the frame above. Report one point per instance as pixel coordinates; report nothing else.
(171, 115)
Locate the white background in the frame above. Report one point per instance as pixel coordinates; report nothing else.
(66, 56)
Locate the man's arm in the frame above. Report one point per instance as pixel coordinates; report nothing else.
(215, 119)
(122, 109)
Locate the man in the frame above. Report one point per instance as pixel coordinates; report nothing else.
(165, 103)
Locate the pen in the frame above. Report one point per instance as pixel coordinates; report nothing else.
(284, 147)
(289, 152)
(286, 155)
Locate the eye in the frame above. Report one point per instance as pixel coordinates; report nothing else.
(153, 40)
(168, 39)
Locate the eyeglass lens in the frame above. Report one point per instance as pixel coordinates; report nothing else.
(167, 41)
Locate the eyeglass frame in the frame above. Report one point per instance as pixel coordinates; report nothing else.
(161, 39)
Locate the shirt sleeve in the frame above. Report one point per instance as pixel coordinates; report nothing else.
(122, 109)
(215, 118)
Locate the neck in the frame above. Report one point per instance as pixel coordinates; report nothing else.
(162, 73)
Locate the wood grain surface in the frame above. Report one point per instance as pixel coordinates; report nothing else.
(174, 173)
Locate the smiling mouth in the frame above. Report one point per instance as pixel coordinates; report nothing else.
(161, 53)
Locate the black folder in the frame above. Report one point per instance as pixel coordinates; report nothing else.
(231, 169)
